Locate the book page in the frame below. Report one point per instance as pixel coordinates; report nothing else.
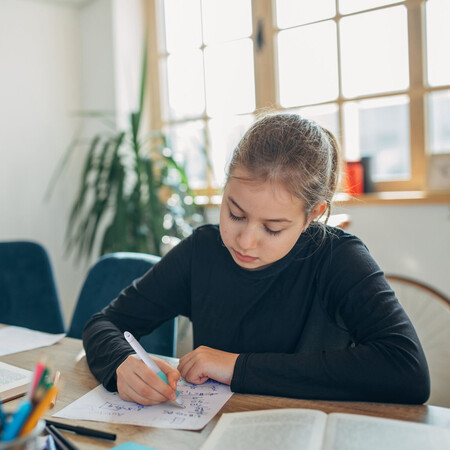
(13, 381)
(271, 429)
(354, 432)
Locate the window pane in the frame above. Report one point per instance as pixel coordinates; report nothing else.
(379, 129)
(349, 6)
(187, 142)
(374, 49)
(182, 24)
(438, 42)
(307, 58)
(226, 20)
(439, 122)
(224, 134)
(185, 85)
(298, 12)
(325, 115)
(230, 85)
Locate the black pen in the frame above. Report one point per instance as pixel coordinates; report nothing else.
(83, 431)
(62, 443)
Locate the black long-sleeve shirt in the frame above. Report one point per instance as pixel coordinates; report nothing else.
(320, 323)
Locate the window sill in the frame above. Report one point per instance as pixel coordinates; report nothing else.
(398, 197)
(394, 197)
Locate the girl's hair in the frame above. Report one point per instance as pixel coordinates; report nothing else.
(294, 151)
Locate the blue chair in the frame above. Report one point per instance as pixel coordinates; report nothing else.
(105, 280)
(28, 294)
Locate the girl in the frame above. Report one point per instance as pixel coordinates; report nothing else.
(280, 303)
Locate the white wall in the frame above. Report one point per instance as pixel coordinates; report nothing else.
(97, 70)
(40, 68)
(413, 240)
(128, 51)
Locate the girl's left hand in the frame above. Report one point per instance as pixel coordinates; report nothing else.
(204, 363)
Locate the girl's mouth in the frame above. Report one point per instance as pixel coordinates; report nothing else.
(244, 258)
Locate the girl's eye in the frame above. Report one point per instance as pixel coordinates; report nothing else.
(268, 230)
(237, 218)
(272, 232)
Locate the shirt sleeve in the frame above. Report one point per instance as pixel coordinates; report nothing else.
(384, 363)
(161, 294)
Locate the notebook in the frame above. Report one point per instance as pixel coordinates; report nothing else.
(14, 381)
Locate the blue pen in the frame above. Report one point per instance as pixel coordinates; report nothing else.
(13, 427)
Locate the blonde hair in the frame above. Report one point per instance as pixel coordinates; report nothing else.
(294, 151)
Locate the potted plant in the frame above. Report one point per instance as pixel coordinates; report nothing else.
(132, 191)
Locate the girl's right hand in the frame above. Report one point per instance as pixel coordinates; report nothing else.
(137, 383)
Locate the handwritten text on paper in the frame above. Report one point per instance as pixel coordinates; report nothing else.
(202, 404)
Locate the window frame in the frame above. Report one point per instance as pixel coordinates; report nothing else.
(266, 95)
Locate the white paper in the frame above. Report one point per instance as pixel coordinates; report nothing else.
(202, 402)
(18, 339)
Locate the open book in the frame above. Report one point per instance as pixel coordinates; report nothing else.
(309, 429)
(14, 381)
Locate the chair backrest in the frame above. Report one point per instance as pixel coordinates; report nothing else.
(105, 280)
(28, 294)
(429, 311)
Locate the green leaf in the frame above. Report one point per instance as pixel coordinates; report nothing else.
(156, 209)
(135, 117)
(143, 75)
(84, 186)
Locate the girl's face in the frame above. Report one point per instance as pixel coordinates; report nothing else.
(260, 222)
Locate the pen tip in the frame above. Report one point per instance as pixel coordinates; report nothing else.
(179, 402)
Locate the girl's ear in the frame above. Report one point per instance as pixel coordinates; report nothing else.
(317, 211)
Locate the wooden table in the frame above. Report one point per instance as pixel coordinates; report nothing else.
(76, 380)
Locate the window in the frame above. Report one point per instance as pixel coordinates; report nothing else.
(438, 75)
(374, 72)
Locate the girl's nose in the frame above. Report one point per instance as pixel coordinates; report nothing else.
(247, 238)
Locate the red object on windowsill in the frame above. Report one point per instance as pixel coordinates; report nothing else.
(354, 178)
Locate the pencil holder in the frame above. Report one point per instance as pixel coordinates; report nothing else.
(30, 441)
